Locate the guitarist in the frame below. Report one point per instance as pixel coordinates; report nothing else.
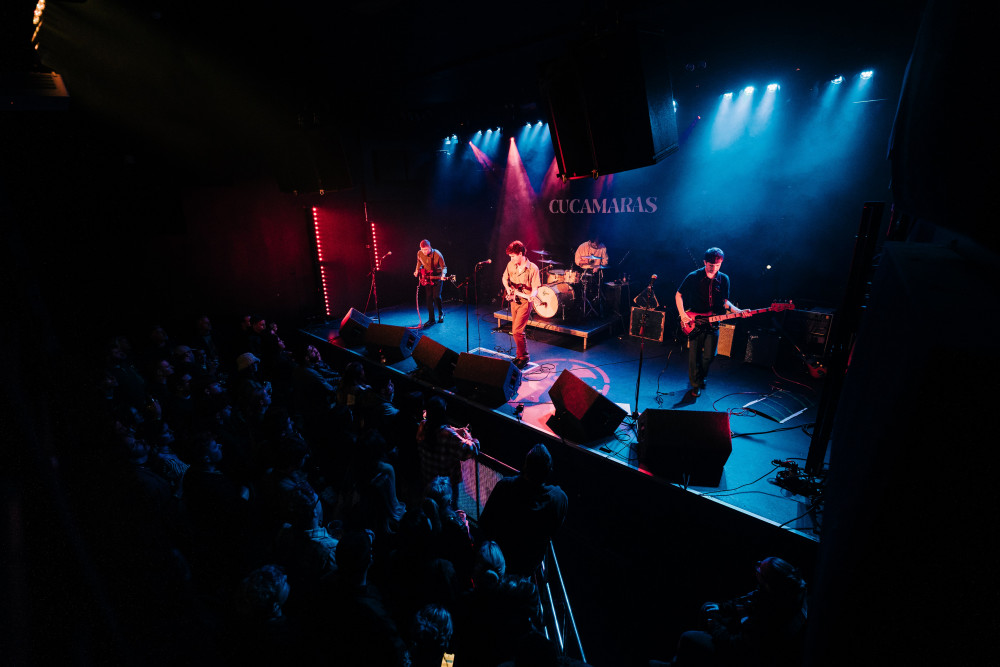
(521, 282)
(432, 271)
(706, 292)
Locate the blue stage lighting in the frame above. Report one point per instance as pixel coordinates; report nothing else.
(771, 87)
(867, 74)
(748, 90)
(727, 96)
(838, 80)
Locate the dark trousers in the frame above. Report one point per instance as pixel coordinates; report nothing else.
(701, 353)
(432, 298)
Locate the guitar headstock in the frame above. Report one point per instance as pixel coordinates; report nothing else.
(779, 306)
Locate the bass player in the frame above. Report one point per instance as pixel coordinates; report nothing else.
(432, 271)
(704, 291)
(520, 282)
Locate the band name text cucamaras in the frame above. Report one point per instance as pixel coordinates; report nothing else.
(613, 205)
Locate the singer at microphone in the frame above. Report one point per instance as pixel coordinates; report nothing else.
(432, 272)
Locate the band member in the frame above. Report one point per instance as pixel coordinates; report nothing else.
(432, 271)
(591, 248)
(703, 291)
(521, 282)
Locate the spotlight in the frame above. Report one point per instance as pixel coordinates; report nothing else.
(867, 74)
(748, 90)
(489, 131)
(771, 87)
(837, 81)
(727, 96)
(539, 123)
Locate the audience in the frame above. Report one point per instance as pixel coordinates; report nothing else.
(277, 514)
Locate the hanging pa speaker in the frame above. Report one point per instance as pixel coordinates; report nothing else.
(436, 360)
(390, 342)
(685, 446)
(582, 413)
(594, 133)
(353, 327)
(488, 380)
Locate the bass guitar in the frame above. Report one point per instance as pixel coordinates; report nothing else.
(706, 319)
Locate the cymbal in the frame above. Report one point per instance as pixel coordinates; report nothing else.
(548, 261)
(593, 257)
(541, 252)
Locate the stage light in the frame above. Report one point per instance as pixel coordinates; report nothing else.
(727, 96)
(748, 90)
(867, 74)
(539, 123)
(489, 131)
(837, 80)
(771, 87)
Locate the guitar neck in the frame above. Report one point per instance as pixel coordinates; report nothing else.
(729, 316)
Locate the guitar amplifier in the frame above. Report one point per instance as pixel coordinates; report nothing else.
(725, 345)
(647, 323)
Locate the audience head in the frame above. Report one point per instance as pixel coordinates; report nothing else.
(537, 464)
(204, 449)
(247, 362)
(305, 511)
(439, 490)
(432, 631)
(779, 578)
(262, 593)
(354, 553)
(354, 374)
(436, 411)
(489, 567)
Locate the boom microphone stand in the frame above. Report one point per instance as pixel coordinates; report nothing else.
(647, 295)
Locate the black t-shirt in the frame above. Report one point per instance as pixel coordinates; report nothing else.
(702, 295)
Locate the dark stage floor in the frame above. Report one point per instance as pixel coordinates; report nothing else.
(610, 364)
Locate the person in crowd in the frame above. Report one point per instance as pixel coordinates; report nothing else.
(443, 447)
(260, 631)
(305, 547)
(430, 636)
(765, 627)
(523, 513)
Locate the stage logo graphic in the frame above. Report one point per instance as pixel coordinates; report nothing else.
(611, 205)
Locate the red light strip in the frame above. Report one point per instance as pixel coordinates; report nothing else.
(322, 268)
(378, 261)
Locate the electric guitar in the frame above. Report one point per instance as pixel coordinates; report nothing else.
(427, 278)
(704, 319)
(521, 292)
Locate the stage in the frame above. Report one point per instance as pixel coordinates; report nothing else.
(770, 407)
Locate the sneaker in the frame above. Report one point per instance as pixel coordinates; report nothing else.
(440, 319)
(696, 391)
(521, 362)
(428, 323)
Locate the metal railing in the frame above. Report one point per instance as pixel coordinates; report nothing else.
(480, 474)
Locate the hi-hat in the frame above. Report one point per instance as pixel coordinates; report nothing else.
(548, 261)
(592, 257)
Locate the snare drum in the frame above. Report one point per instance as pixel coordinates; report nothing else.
(571, 276)
(557, 276)
(551, 297)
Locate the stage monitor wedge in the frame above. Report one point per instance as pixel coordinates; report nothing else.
(582, 413)
(390, 344)
(685, 446)
(353, 327)
(491, 381)
(436, 361)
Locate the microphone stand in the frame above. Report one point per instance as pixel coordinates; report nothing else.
(648, 292)
(374, 288)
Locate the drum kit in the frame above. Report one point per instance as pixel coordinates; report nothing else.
(561, 288)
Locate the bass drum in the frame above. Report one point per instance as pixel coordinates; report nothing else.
(553, 296)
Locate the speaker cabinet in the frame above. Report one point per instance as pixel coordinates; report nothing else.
(486, 380)
(436, 360)
(685, 446)
(611, 104)
(582, 413)
(353, 327)
(762, 347)
(389, 342)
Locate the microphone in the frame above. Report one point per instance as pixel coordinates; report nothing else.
(386, 255)
(652, 279)
(485, 261)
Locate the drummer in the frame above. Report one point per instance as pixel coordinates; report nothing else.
(591, 255)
